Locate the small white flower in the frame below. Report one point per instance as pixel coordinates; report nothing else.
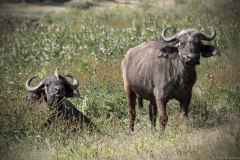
(11, 82)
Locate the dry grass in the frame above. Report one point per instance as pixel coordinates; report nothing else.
(215, 143)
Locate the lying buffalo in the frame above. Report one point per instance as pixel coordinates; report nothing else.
(55, 90)
(164, 69)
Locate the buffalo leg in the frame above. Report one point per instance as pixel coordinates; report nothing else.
(140, 103)
(152, 114)
(184, 103)
(163, 118)
(131, 101)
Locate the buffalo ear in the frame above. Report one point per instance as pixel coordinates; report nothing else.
(76, 93)
(71, 92)
(168, 52)
(68, 90)
(209, 50)
(34, 96)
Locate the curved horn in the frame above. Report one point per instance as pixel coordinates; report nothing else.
(56, 73)
(167, 39)
(75, 80)
(209, 37)
(32, 89)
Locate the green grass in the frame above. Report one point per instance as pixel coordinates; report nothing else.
(91, 44)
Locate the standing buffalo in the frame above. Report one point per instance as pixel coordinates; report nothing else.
(55, 89)
(164, 69)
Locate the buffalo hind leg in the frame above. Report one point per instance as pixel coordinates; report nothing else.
(140, 103)
(153, 114)
(131, 101)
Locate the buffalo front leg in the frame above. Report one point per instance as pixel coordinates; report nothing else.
(184, 104)
(131, 101)
(163, 118)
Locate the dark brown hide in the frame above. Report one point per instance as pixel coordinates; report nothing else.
(66, 113)
(162, 70)
(55, 89)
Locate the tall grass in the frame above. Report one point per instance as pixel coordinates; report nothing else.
(91, 45)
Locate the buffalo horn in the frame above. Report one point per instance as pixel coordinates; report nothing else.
(32, 89)
(75, 80)
(209, 37)
(167, 39)
(56, 73)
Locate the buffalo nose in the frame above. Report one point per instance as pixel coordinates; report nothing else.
(192, 56)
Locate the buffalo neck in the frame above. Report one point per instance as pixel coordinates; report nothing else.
(180, 69)
(55, 103)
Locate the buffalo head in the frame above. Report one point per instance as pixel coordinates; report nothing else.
(187, 44)
(54, 88)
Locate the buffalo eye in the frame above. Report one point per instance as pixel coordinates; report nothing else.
(47, 85)
(182, 44)
(169, 49)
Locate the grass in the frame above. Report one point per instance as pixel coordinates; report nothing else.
(91, 44)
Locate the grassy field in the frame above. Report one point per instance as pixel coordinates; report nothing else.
(89, 39)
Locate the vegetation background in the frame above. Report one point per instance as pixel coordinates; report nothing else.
(89, 38)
